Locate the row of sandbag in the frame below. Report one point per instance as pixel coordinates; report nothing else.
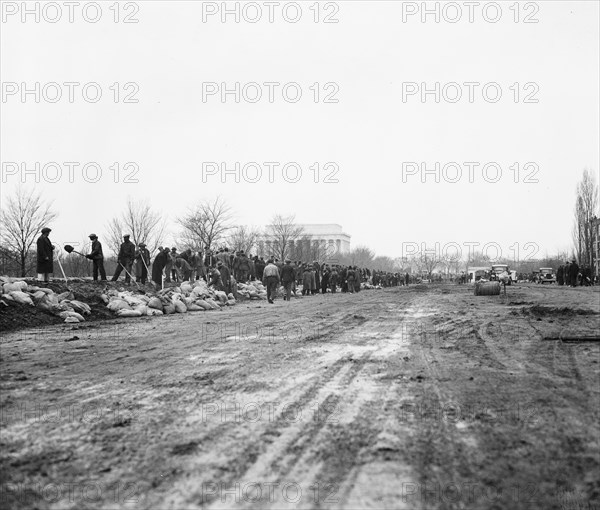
(252, 290)
(185, 298)
(64, 305)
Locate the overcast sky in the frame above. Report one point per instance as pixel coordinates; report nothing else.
(370, 133)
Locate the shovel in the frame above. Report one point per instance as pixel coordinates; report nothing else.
(70, 249)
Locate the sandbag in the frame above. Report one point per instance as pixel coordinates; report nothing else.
(170, 308)
(193, 307)
(221, 296)
(14, 287)
(155, 303)
(71, 319)
(118, 304)
(81, 307)
(129, 313)
(186, 287)
(231, 302)
(45, 304)
(142, 308)
(66, 314)
(21, 297)
(104, 298)
(203, 304)
(180, 306)
(38, 295)
(65, 295)
(153, 311)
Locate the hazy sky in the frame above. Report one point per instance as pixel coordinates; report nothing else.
(366, 59)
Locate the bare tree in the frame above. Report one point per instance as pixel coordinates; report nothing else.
(282, 231)
(586, 208)
(25, 215)
(360, 256)
(141, 222)
(206, 224)
(430, 259)
(244, 238)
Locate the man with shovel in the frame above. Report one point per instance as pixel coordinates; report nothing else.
(97, 257)
(125, 259)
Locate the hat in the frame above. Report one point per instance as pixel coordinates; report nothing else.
(173, 249)
(220, 263)
(142, 244)
(126, 235)
(93, 236)
(45, 230)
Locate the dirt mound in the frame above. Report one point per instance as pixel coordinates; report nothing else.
(544, 311)
(17, 316)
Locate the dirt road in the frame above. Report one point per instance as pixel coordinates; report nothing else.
(419, 397)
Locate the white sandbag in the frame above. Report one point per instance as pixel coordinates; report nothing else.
(193, 307)
(186, 288)
(71, 319)
(221, 296)
(21, 297)
(155, 303)
(81, 307)
(38, 295)
(231, 302)
(153, 311)
(213, 304)
(180, 306)
(118, 304)
(203, 304)
(142, 308)
(45, 304)
(14, 287)
(129, 313)
(170, 308)
(230, 296)
(66, 314)
(65, 295)
(104, 298)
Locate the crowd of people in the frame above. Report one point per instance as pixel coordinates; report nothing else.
(222, 268)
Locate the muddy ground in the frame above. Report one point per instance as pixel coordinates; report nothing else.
(419, 397)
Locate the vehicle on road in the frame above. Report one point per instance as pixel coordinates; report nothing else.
(546, 275)
(498, 270)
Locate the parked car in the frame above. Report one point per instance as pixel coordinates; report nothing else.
(546, 275)
(498, 270)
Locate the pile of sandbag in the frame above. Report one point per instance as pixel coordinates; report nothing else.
(188, 297)
(367, 285)
(252, 290)
(64, 305)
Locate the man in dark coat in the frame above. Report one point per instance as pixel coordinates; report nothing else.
(288, 277)
(97, 258)
(560, 275)
(225, 276)
(142, 263)
(125, 259)
(325, 280)
(45, 266)
(573, 272)
(160, 261)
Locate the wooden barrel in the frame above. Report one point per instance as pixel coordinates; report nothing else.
(487, 289)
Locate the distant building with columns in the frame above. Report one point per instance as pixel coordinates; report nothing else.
(328, 238)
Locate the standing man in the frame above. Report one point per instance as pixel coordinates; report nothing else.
(288, 277)
(125, 259)
(271, 280)
(174, 256)
(184, 269)
(225, 276)
(97, 258)
(142, 263)
(160, 262)
(45, 266)
(350, 279)
(573, 272)
(325, 279)
(560, 275)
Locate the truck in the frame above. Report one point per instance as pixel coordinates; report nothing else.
(498, 270)
(546, 275)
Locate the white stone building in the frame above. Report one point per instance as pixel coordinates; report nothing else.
(326, 239)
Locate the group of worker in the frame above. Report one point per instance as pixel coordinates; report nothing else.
(573, 275)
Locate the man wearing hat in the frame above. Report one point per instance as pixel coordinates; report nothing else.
(97, 258)
(288, 277)
(225, 276)
(142, 263)
(45, 266)
(160, 262)
(125, 259)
